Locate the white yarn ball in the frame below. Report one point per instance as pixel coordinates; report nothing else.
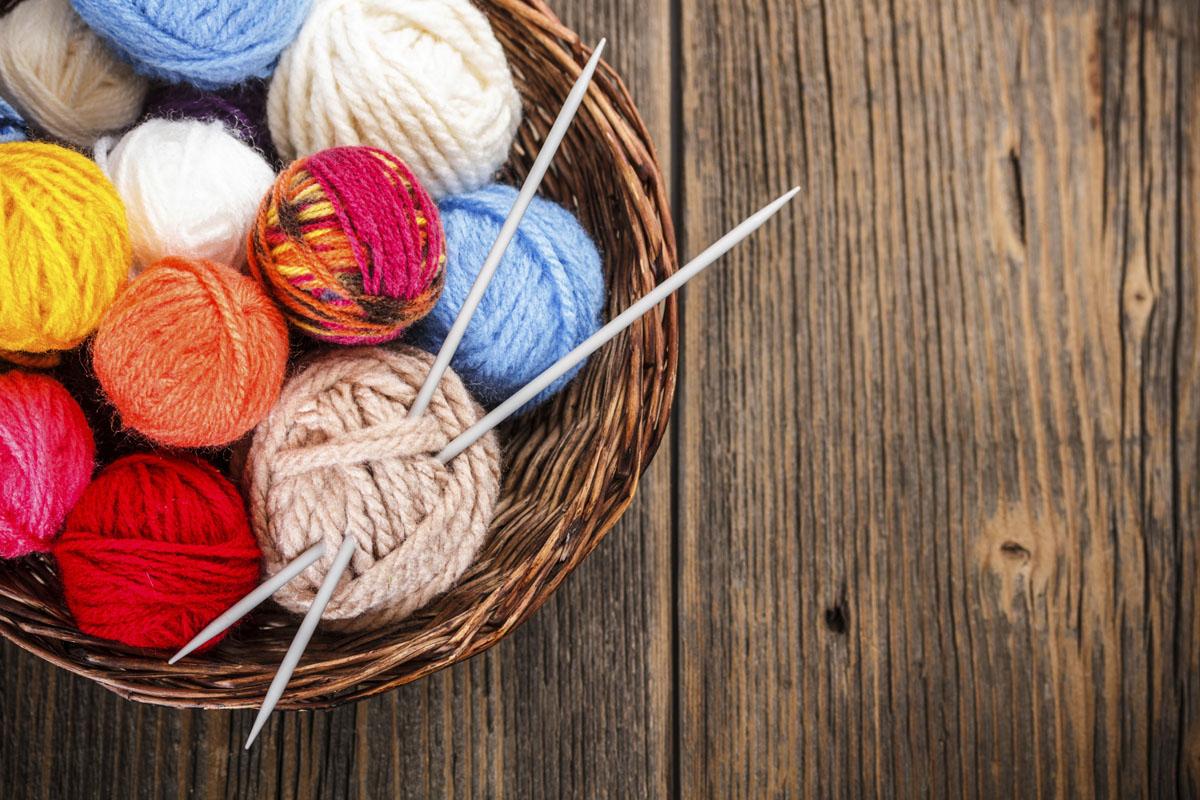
(424, 79)
(191, 189)
(62, 77)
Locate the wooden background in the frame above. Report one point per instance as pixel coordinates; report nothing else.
(928, 520)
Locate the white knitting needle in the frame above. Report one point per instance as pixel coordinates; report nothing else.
(528, 190)
(609, 331)
(292, 657)
(441, 363)
(251, 601)
(524, 197)
(505, 410)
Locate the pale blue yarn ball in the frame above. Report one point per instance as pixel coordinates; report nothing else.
(546, 297)
(210, 44)
(12, 126)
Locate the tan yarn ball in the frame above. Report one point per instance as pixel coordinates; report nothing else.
(338, 456)
(62, 77)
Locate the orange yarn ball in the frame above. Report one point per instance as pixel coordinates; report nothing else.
(192, 354)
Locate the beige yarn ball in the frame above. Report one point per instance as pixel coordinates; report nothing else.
(424, 79)
(62, 77)
(338, 457)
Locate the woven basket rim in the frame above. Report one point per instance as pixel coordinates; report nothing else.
(630, 384)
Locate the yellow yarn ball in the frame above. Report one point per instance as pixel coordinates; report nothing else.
(64, 247)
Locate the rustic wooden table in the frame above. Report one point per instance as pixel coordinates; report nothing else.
(928, 522)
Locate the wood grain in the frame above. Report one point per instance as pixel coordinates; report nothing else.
(929, 520)
(938, 430)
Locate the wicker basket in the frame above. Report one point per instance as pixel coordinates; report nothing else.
(570, 470)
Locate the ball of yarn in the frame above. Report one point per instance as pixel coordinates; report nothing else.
(192, 354)
(210, 44)
(338, 456)
(545, 298)
(46, 459)
(350, 245)
(156, 548)
(62, 78)
(424, 79)
(191, 189)
(12, 126)
(64, 252)
(242, 109)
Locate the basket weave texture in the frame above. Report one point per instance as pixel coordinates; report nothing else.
(571, 468)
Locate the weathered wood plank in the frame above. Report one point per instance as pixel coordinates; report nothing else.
(576, 702)
(938, 429)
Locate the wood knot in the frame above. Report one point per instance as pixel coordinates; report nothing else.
(836, 619)
(1021, 551)
(1015, 551)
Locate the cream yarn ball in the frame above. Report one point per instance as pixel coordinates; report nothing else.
(62, 77)
(191, 189)
(338, 456)
(424, 79)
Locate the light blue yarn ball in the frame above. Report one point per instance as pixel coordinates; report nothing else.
(210, 44)
(12, 126)
(546, 297)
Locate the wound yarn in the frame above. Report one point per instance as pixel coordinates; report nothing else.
(242, 109)
(208, 44)
(424, 79)
(46, 460)
(62, 77)
(192, 354)
(64, 252)
(155, 549)
(12, 126)
(545, 298)
(191, 190)
(338, 456)
(350, 246)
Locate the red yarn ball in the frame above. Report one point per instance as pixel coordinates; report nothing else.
(156, 548)
(46, 459)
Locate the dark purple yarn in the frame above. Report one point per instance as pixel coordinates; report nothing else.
(242, 108)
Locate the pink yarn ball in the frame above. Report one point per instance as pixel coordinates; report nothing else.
(46, 459)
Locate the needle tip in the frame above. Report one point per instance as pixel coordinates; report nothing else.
(600, 45)
(175, 658)
(259, 721)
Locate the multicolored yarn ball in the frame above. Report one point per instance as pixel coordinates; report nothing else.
(338, 456)
(155, 549)
(350, 246)
(192, 354)
(62, 78)
(12, 126)
(64, 252)
(424, 79)
(46, 460)
(545, 298)
(211, 44)
(191, 189)
(242, 109)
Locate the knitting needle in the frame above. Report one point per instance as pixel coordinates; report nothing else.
(251, 601)
(292, 657)
(524, 197)
(616, 326)
(528, 190)
(505, 410)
